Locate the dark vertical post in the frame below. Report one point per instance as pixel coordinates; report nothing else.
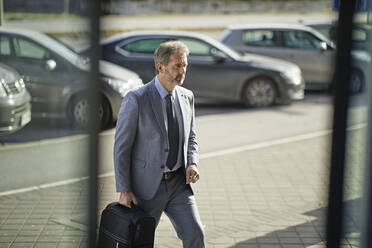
(94, 100)
(341, 85)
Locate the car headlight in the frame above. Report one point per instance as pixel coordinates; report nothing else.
(294, 76)
(21, 83)
(2, 89)
(121, 86)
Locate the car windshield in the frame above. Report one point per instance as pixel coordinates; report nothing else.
(232, 53)
(61, 43)
(63, 49)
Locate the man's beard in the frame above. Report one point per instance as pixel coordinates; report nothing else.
(178, 80)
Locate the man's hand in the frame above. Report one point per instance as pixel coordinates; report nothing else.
(126, 198)
(192, 174)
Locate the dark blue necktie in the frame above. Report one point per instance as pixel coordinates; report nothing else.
(173, 133)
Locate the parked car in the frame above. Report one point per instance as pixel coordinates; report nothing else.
(361, 33)
(361, 42)
(15, 107)
(56, 77)
(214, 70)
(302, 45)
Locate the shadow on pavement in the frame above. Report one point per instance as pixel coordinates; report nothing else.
(313, 232)
(40, 129)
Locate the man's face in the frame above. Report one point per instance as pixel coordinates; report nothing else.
(175, 71)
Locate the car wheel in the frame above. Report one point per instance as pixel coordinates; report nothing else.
(357, 81)
(80, 112)
(259, 92)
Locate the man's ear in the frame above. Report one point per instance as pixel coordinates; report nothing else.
(160, 67)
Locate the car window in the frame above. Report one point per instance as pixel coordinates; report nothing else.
(325, 31)
(198, 47)
(143, 46)
(301, 40)
(27, 49)
(260, 38)
(359, 35)
(4, 46)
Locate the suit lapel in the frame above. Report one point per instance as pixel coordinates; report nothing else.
(182, 101)
(157, 107)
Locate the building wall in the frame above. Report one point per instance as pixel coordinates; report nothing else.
(132, 7)
(213, 6)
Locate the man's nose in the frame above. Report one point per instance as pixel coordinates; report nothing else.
(183, 69)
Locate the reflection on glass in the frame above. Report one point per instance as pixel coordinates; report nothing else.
(44, 153)
(356, 171)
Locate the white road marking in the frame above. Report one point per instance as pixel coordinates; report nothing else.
(202, 156)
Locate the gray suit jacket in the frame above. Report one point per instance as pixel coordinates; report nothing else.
(141, 140)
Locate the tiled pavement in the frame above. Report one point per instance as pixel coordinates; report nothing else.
(263, 198)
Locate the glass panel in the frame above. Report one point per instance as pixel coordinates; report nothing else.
(197, 48)
(357, 170)
(264, 171)
(44, 145)
(359, 35)
(4, 46)
(303, 40)
(143, 46)
(326, 31)
(260, 38)
(24, 48)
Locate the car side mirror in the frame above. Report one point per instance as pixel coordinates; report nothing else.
(219, 56)
(50, 65)
(323, 46)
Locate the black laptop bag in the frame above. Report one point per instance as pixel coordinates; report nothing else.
(123, 227)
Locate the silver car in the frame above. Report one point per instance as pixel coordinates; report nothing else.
(15, 107)
(56, 77)
(302, 45)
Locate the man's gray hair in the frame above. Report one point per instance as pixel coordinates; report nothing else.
(166, 49)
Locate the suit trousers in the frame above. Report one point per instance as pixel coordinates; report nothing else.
(176, 199)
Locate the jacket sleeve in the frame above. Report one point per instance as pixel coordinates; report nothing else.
(192, 151)
(126, 129)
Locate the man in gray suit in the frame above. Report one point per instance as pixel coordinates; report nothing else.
(156, 151)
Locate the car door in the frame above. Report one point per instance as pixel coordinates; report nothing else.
(311, 54)
(45, 74)
(206, 76)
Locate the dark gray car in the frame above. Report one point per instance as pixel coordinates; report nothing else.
(214, 71)
(15, 108)
(56, 77)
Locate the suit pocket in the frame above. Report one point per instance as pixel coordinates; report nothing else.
(139, 163)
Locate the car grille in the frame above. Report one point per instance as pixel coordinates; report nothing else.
(21, 109)
(12, 88)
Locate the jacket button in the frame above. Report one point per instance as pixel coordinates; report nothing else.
(166, 150)
(162, 167)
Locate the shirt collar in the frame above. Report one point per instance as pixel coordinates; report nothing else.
(162, 91)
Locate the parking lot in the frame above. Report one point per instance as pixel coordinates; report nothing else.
(264, 170)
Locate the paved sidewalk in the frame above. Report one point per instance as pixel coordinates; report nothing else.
(268, 197)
